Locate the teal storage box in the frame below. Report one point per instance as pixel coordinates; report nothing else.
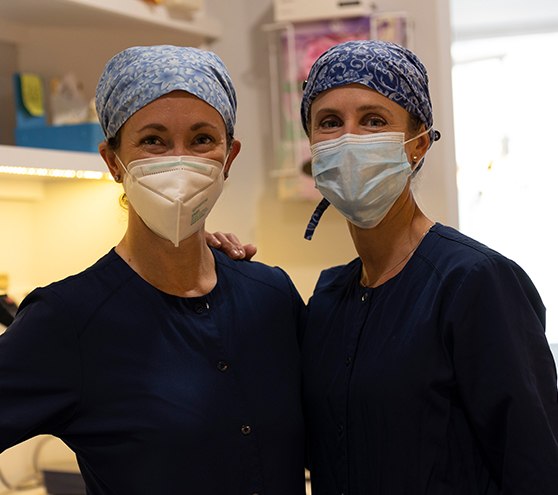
(32, 129)
(75, 137)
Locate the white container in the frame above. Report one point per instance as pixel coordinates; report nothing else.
(307, 10)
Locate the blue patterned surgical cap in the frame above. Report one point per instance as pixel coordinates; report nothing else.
(141, 74)
(390, 69)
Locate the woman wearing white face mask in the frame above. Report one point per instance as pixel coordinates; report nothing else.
(425, 365)
(166, 366)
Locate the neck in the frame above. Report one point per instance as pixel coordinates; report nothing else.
(386, 248)
(186, 271)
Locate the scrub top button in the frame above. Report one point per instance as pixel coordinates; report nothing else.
(222, 366)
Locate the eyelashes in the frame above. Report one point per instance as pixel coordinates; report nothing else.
(333, 122)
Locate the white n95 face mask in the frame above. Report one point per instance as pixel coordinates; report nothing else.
(173, 194)
(362, 175)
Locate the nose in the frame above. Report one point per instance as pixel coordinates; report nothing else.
(180, 150)
(352, 126)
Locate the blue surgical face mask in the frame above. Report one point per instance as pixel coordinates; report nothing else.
(362, 175)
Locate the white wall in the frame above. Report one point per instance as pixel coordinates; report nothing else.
(242, 48)
(55, 228)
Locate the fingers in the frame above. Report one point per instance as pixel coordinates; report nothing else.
(227, 243)
(249, 251)
(212, 240)
(230, 245)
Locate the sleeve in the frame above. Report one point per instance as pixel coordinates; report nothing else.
(39, 370)
(506, 376)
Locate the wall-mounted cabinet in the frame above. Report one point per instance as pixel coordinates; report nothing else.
(54, 37)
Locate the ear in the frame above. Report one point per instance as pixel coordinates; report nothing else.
(417, 148)
(234, 151)
(109, 156)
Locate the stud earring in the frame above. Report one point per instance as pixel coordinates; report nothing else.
(117, 178)
(415, 159)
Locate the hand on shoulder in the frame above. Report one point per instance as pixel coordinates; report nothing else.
(229, 244)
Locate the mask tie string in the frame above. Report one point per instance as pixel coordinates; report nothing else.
(315, 218)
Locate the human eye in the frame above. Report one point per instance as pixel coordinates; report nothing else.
(374, 121)
(203, 139)
(151, 141)
(330, 122)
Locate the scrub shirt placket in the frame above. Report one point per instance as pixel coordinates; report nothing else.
(362, 302)
(225, 366)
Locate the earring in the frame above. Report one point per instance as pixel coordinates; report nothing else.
(117, 178)
(415, 159)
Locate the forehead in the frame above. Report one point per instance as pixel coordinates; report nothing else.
(175, 109)
(354, 97)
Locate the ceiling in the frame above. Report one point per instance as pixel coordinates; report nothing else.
(488, 18)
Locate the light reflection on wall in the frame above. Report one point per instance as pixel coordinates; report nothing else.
(54, 172)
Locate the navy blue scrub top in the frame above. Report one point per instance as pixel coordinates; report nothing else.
(159, 394)
(438, 382)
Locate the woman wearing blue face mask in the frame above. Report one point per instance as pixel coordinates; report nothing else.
(426, 368)
(166, 367)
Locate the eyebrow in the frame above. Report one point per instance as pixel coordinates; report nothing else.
(160, 127)
(376, 108)
(157, 127)
(200, 125)
(362, 108)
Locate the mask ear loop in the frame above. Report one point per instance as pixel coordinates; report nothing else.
(117, 177)
(422, 134)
